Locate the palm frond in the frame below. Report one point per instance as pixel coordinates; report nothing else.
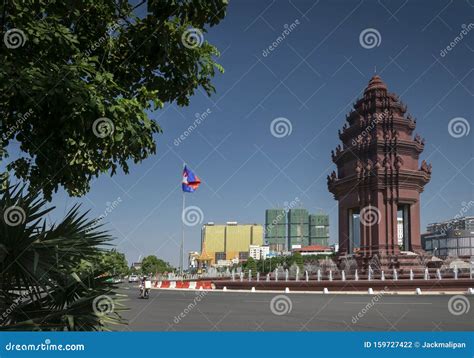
(39, 283)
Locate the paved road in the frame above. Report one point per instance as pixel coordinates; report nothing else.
(242, 311)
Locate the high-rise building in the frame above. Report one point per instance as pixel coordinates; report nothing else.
(319, 230)
(275, 229)
(295, 228)
(298, 228)
(229, 241)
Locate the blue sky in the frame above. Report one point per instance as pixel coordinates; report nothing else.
(311, 78)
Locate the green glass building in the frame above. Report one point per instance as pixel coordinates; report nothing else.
(275, 229)
(298, 228)
(286, 230)
(319, 230)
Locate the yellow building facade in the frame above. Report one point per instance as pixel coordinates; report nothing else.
(229, 241)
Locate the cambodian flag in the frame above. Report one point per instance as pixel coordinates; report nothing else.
(190, 181)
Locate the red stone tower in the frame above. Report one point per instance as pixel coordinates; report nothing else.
(378, 180)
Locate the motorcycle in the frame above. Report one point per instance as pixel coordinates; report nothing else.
(145, 289)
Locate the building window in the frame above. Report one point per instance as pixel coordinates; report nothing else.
(403, 226)
(354, 230)
(220, 256)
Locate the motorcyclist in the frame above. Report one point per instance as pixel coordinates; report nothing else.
(142, 286)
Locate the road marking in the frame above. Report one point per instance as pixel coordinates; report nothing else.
(391, 303)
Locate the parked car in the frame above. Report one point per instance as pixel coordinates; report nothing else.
(133, 278)
(114, 280)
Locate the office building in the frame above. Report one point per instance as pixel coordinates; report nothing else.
(452, 238)
(295, 228)
(275, 229)
(319, 230)
(298, 228)
(259, 252)
(230, 241)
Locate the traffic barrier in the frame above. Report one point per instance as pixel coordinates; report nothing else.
(206, 285)
(182, 284)
(193, 285)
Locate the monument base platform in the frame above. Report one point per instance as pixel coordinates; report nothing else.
(444, 285)
(404, 262)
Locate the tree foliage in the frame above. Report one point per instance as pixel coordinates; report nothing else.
(251, 265)
(298, 259)
(114, 263)
(152, 264)
(109, 262)
(79, 79)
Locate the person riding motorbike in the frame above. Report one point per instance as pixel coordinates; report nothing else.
(144, 291)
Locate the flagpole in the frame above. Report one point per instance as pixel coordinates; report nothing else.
(181, 253)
